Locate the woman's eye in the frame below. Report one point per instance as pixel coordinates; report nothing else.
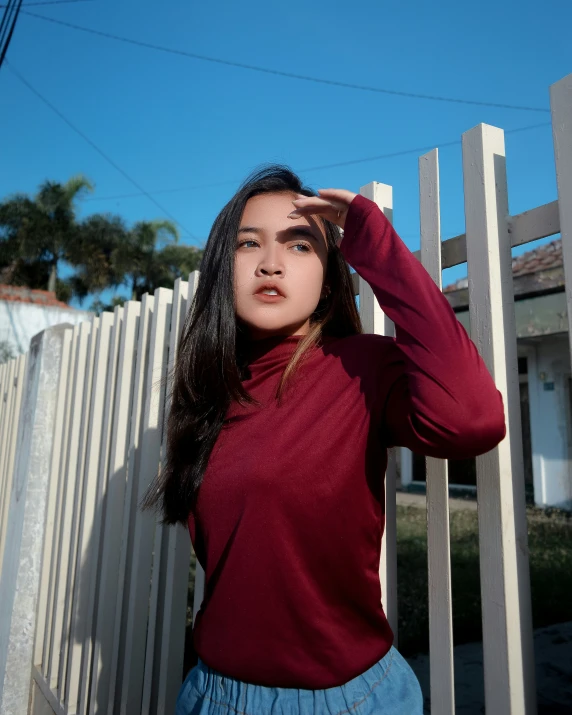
(305, 246)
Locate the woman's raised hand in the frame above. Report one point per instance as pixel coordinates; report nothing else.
(331, 204)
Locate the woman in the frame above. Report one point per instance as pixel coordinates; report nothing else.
(282, 413)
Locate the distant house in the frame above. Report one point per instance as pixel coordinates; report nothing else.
(25, 312)
(544, 374)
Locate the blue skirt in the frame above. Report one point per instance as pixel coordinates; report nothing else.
(389, 687)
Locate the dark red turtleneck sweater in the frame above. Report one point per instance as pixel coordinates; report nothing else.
(290, 514)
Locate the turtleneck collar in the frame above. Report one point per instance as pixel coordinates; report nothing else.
(272, 348)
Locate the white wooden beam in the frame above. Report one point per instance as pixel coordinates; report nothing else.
(438, 541)
(505, 581)
(374, 320)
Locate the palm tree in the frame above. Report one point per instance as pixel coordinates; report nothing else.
(38, 233)
(151, 257)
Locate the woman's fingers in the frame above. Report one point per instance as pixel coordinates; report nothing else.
(332, 204)
(342, 195)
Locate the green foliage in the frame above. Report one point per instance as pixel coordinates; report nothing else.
(550, 547)
(38, 233)
(6, 352)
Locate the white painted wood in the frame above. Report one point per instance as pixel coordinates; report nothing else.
(374, 320)
(71, 682)
(160, 551)
(141, 606)
(537, 223)
(78, 635)
(112, 505)
(89, 533)
(136, 436)
(93, 574)
(50, 705)
(175, 574)
(56, 595)
(49, 574)
(199, 590)
(540, 222)
(74, 477)
(47, 566)
(438, 541)
(66, 536)
(505, 581)
(561, 107)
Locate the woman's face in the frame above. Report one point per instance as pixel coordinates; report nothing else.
(292, 253)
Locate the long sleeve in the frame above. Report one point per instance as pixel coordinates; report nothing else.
(438, 397)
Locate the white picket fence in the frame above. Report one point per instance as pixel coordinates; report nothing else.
(93, 591)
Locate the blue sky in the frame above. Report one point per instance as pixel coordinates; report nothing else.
(188, 130)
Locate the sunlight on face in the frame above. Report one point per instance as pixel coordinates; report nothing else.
(290, 252)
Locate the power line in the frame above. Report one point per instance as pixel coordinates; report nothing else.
(379, 157)
(291, 75)
(97, 149)
(50, 2)
(7, 26)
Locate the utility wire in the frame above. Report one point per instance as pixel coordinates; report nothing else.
(97, 149)
(7, 27)
(291, 75)
(379, 157)
(50, 2)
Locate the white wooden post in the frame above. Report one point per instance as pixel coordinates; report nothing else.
(144, 524)
(91, 521)
(176, 563)
(130, 506)
(438, 541)
(374, 320)
(561, 107)
(119, 411)
(19, 583)
(199, 591)
(505, 582)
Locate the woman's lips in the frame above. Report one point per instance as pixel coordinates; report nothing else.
(265, 298)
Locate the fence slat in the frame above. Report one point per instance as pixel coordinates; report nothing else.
(74, 478)
(505, 581)
(77, 632)
(89, 536)
(112, 504)
(374, 320)
(438, 539)
(56, 595)
(561, 107)
(141, 609)
(176, 562)
(99, 522)
(199, 586)
(140, 390)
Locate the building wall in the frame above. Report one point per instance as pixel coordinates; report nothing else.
(20, 321)
(549, 378)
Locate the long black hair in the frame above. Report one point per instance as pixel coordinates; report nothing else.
(211, 360)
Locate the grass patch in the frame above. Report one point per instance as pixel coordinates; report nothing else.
(550, 547)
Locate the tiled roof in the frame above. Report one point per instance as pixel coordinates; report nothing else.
(543, 258)
(22, 294)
